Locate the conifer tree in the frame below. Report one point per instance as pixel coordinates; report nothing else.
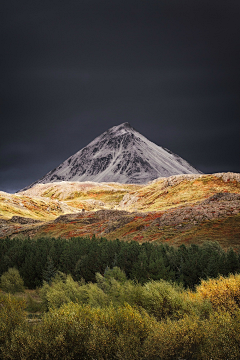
(49, 272)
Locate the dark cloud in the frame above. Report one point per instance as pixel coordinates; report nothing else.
(70, 70)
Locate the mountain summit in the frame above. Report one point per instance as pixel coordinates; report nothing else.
(120, 154)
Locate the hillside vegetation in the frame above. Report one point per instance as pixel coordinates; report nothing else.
(159, 194)
(179, 209)
(34, 207)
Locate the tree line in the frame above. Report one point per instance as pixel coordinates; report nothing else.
(40, 259)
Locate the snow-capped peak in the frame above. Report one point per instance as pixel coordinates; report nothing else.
(120, 154)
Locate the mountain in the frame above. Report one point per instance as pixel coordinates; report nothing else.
(121, 154)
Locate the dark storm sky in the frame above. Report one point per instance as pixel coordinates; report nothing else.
(72, 69)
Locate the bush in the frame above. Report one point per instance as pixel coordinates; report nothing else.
(173, 340)
(115, 273)
(200, 307)
(11, 316)
(34, 306)
(163, 322)
(223, 293)
(163, 300)
(131, 293)
(80, 332)
(64, 289)
(11, 281)
(159, 298)
(221, 336)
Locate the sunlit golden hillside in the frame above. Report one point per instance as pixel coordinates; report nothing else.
(178, 209)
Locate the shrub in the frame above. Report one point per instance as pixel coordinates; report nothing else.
(184, 324)
(80, 332)
(163, 299)
(64, 289)
(119, 334)
(95, 296)
(62, 334)
(223, 293)
(33, 306)
(158, 298)
(221, 336)
(200, 307)
(11, 315)
(173, 340)
(131, 293)
(11, 281)
(115, 273)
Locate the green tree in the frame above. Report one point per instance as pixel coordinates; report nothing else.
(115, 273)
(11, 281)
(232, 264)
(140, 267)
(49, 272)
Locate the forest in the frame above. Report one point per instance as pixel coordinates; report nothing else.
(40, 259)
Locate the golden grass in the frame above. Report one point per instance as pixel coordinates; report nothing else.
(154, 198)
(32, 207)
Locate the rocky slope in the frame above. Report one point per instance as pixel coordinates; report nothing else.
(178, 209)
(216, 218)
(121, 155)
